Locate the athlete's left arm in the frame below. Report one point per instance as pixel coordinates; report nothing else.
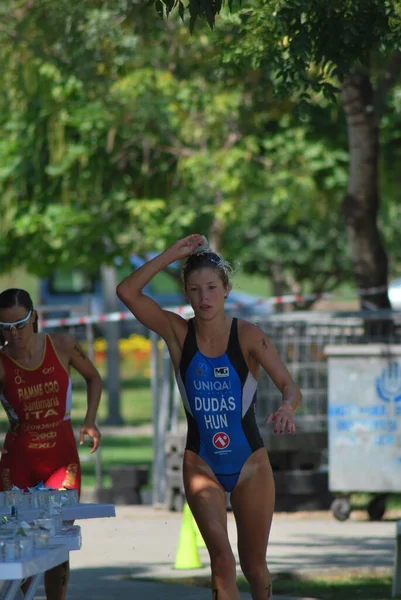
(78, 359)
(263, 351)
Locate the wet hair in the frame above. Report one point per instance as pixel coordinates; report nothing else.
(210, 260)
(16, 297)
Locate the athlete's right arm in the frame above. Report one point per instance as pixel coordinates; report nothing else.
(144, 308)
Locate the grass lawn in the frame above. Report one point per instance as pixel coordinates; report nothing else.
(252, 284)
(136, 409)
(116, 451)
(135, 399)
(361, 500)
(349, 585)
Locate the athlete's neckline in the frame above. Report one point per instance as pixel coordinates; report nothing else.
(227, 345)
(31, 368)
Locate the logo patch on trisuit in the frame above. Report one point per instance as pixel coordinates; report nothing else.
(221, 371)
(221, 440)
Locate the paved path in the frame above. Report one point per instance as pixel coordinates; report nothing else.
(141, 542)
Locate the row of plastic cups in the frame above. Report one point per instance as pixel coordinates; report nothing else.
(38, 498)
(52, 523)
(15, 546)
(12, 549)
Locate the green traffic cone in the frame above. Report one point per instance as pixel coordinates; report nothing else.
(187, 556)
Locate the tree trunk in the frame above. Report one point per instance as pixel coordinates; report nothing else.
(216, 228)
(278, 284)
(360, 206)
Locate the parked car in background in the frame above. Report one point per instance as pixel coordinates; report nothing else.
(79, 291)
(82, 293)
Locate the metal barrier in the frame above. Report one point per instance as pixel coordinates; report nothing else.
(299, 462)
(300, 339)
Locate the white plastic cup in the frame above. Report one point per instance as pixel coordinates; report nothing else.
(10, 550)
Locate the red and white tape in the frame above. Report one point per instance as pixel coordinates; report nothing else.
(289, 299)
(181, 310)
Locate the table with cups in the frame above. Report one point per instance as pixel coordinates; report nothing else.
(36, 534)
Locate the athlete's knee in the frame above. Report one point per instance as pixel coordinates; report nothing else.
(223, 565)
(255, 570)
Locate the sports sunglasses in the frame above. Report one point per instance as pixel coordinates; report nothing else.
(17, 324)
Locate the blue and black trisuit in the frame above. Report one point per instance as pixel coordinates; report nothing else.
(219, 396)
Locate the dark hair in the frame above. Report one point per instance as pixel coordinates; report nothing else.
(16, 297)
(210, 260)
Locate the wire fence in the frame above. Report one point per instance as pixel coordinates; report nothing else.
(301, 338)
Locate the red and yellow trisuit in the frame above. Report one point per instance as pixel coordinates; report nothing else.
(40, 444)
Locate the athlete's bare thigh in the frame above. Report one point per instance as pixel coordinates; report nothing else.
(252, 501)
(206, 499)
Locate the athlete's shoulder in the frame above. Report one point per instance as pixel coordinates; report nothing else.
(251, 334)
(246, 328)
(63, 342)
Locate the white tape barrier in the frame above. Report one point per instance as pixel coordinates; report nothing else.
(372, 291)
(185, 311)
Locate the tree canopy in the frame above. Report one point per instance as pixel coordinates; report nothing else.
(121, 132)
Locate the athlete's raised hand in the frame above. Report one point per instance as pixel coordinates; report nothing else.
(282, 419)
(184, 247)
(93, 432)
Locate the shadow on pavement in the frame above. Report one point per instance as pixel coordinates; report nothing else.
(112, 584)
(322, 554)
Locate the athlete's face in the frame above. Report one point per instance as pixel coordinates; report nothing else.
(206, 291)
(16, 324)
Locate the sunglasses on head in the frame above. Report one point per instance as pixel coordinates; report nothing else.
(17, 324)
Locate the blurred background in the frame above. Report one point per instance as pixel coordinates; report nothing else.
(121, 132)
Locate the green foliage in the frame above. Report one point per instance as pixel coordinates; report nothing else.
(309, 47)
(64, 193)
(204, 9)
(121, 132)
(297, 215)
